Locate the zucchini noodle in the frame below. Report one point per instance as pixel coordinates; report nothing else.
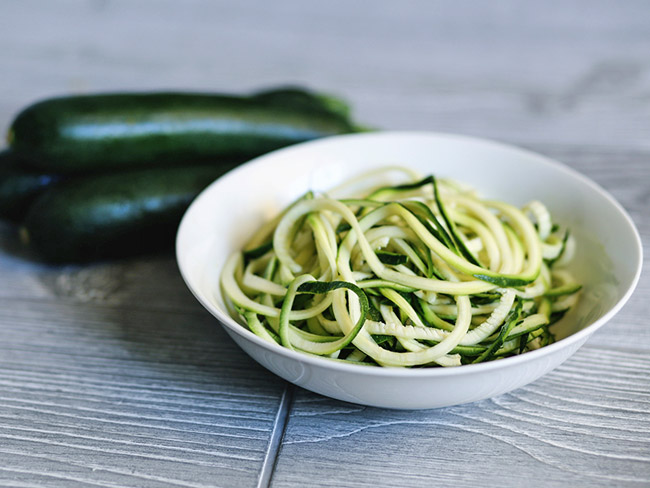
(424, 273)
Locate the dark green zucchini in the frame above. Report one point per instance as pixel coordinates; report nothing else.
(295, 96)
(18, 188)
(117, 215)
(116, 131)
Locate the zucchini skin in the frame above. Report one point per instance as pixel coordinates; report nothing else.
(119, 215)
(305, 99)
(19, 188)
(116, 131)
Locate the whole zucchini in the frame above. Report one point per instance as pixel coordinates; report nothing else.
(18, 187)
(114, 215)
(115, 131)
(302, 98)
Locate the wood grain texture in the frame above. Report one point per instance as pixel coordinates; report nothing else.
(127, 396)
(113, 375)
(585, 424)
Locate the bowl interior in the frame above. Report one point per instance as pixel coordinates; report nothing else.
(227, 213)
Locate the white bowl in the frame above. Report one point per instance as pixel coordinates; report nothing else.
(608, 260)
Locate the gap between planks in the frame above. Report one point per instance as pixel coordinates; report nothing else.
(279, 427)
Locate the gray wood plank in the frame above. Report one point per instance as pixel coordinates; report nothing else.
(120, 396)
(586, 424)
(144, 282)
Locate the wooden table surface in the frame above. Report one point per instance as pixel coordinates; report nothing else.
(113, 375)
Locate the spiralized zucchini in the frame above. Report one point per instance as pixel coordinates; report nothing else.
(425, 273)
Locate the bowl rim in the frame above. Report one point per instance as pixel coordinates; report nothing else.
(395, 372)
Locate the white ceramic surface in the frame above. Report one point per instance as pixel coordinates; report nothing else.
(608, 260)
